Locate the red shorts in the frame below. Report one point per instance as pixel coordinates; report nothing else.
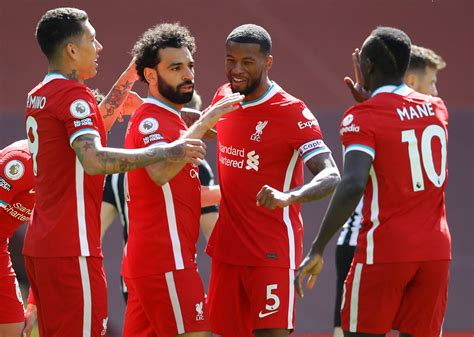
(11, 308)
(410, 297)
(165, 305)
(244, 298)
(70, 295)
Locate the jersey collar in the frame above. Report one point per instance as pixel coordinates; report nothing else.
(161, 104)
(53, 76)
(401, 90)
(271, 91)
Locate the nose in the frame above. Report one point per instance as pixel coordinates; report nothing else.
(188, 74)
(99, 46)
(236, 68)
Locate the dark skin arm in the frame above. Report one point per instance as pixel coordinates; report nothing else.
(97, 159)
(344, 201)
(326, 178)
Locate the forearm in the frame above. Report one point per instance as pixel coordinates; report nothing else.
(321, 186)
(342, 204)
(162, 173)
(210, 195)
(110, 106)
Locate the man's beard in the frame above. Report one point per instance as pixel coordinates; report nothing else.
(173, 94)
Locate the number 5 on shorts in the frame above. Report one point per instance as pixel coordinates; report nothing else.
(272, 298)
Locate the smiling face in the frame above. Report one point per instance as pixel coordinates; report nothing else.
(175, 75)
(88, 49)
(247, 68)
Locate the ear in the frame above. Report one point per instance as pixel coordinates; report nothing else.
(71, 50)
(150, 75)
(411, 79)
(269, 62)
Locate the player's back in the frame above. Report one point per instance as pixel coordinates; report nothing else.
(66, 219)
(404, 212)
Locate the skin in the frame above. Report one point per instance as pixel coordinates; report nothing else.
(423, 81)
(176, 68)
(349, 191)
(247, 67)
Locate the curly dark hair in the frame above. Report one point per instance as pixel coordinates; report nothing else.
(165, 35)
(58, 25)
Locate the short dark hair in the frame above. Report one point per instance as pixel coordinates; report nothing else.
(57, 26)
(389, 50)
(165, 35)
(421, 57)
(251, 33)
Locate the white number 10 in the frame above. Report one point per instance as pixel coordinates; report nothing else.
(409, 136)
(32, 125)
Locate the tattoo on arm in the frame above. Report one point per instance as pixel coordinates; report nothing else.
(115, 98)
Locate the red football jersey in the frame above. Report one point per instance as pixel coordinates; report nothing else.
(404, 217)
(17, 194)
(263, 142)
(66, 217)
(163, 220)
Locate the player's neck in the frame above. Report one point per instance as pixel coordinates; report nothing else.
(259, 91)
(156, 94)
(380, 82)
(68, 71)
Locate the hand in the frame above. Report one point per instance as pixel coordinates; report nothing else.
(225, 105)
(190, 116)
(131, 71)
(271, 198)
(130, 105)
(187, 150)
(357, 88)
(30, 320)
(312, 265)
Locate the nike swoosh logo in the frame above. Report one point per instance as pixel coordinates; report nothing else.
(32, 191)
(262, 315)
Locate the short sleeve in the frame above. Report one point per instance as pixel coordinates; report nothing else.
(80, 114)
(357, 131)
(16, 176)
(305, 134)
(148, 132)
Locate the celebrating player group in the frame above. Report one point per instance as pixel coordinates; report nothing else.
(395, 174)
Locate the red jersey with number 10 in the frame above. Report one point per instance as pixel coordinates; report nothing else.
(263, 142)
(66, 217)
(404, 217)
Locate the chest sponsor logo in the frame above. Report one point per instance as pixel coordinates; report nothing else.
(199, 311)
(80, 109)
(18, 211)
(5, 185)
(83, 122)
(35, 102)
(148, 125)
(14, 169)
(256, 137)
(234, 157)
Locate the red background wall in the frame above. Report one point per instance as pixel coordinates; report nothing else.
(313, 41)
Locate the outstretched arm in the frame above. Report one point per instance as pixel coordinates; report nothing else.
(96, 159)
(111, 107)
(163, 172)
(345, 199)
(326, 178)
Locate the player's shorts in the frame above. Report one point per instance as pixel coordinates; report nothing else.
(11, 308)
(70, 295)
(344, 256)
(410, 297)
(243, 299)
(165, 305)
